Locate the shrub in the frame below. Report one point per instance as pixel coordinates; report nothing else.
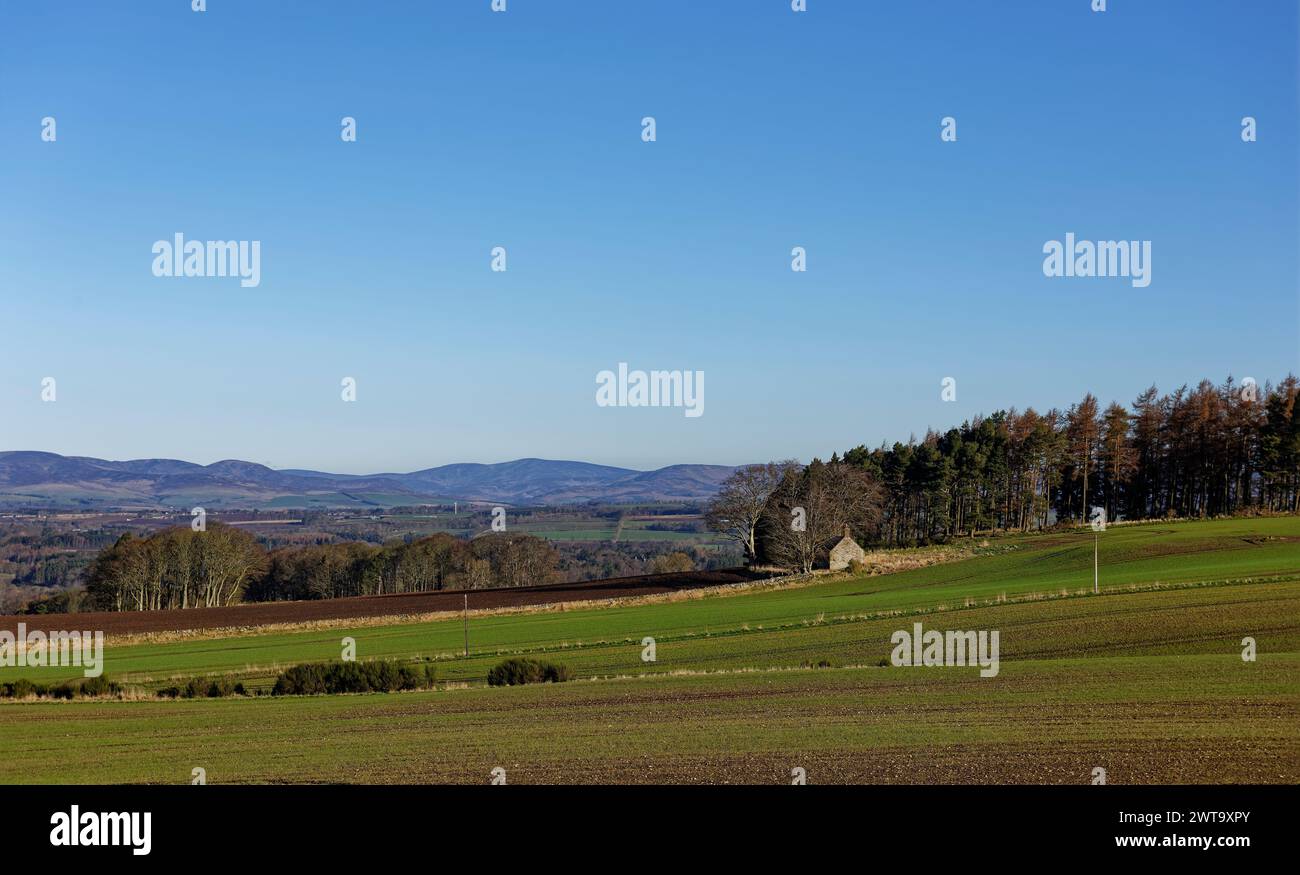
(377, 676)
(20, 689)
(96, 686)
(415, 677)
(520, 670)
(99, 686)
(300, 680)
(204, 688)
(220, 688)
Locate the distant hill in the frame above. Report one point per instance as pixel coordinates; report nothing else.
(30, 479)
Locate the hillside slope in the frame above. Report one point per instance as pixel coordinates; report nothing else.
(37, 479)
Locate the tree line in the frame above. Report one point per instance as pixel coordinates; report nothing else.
(1208, 451)
(182, 568)
(790, 514)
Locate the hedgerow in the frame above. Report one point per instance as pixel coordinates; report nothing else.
(90, 688)
(521, 670)
(377, 676)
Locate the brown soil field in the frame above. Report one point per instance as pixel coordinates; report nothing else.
(1131, 762)
(397, 605)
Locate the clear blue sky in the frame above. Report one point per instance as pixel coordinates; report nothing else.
(522, 129)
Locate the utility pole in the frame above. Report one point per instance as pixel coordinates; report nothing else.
(466, 615)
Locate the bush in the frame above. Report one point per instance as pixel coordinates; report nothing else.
(377, 676)
(204, 688)
(519, 670)
(99, 686)
(221, 688)
(96, 686)
(19, 689)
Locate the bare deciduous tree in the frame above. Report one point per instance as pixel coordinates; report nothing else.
(736, 512)
(811, 509)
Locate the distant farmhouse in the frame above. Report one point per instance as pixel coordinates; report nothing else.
(846, 551)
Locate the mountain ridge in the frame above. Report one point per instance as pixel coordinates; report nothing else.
(37, 478)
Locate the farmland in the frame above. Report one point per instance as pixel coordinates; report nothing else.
(1163, 719)
(1145, 679)
(44, 554)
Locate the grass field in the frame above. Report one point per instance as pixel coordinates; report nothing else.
(1145, 680)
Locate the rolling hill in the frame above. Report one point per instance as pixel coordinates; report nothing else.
(1146, 680)
(35, 479)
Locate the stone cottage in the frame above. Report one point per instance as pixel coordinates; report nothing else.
(846, 551)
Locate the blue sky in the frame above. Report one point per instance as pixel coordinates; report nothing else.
(775, 129)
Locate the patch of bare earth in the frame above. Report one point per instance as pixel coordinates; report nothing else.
(268, 615)
(1227, 761)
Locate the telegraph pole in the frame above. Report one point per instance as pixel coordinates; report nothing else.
(1098, 522)
(1096, 537)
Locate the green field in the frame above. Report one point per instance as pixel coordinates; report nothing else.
(567, 530)
(1145, 679)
